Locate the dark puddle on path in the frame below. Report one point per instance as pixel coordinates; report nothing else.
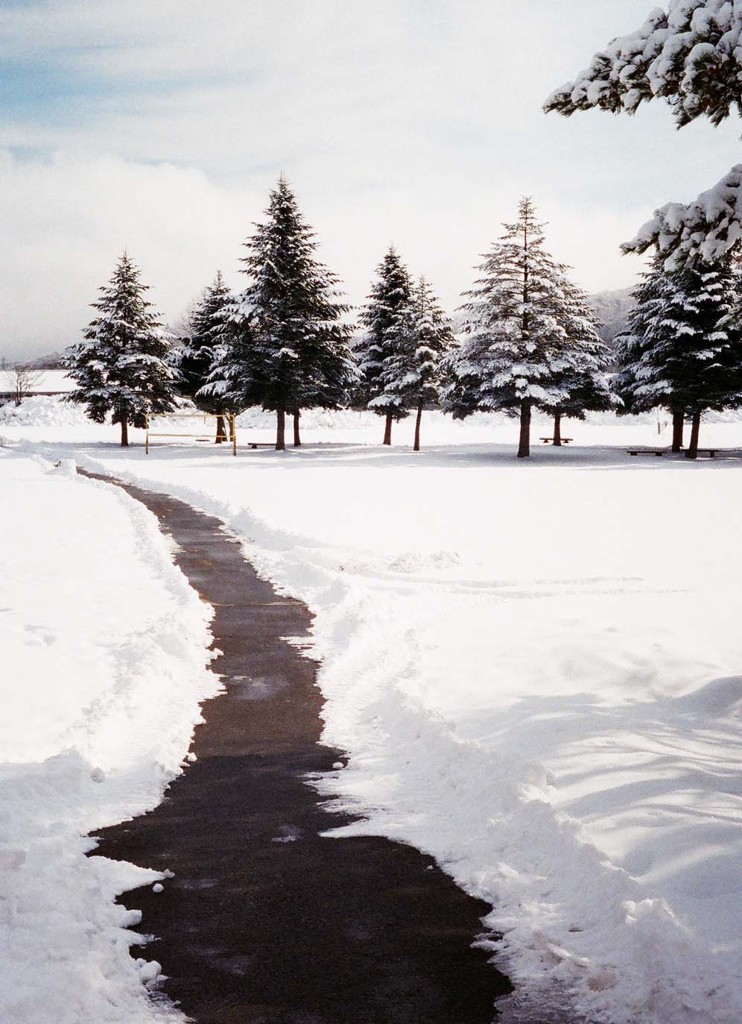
(264, 921)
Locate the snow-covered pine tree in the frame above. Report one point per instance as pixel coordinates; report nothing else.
(515, 355)
(691, 56)
(586, 358)
(236, 375)
(122, 365)
(290, 349)
(383, 350)
(206, 334)
(418, 371)
(683, 347)
(639, 382)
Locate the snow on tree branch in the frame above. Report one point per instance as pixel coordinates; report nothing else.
(690, 55)
(705, 229)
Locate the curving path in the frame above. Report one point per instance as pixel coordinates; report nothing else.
(265, 921)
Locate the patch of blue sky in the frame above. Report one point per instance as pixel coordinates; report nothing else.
(40, 89)
(34, 85)
(28, 154)
(84, 71)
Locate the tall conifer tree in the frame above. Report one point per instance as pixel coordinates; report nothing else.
(122, 365)
(586, 357)
(417, 373)
(290, 346)
(206, 335)
(236, 377)
(521, 315)
(384, 346)
(682, 350)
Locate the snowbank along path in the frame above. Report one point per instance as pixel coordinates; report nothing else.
(265, 919)
(100, 635)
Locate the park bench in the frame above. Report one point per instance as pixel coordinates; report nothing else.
(550, 440)
(711, 452)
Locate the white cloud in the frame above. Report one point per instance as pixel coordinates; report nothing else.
(162, 126)
(287, 78)
(67, 221)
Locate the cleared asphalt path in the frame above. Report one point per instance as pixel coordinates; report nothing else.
(264, 921)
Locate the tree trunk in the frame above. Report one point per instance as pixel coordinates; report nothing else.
(416, 446)
(678, 423)
(524, 447)
(124, 431)
(388, 429)
(695, 430)
(280, 430)
(297, 434)
(221, 430)
(557, 439)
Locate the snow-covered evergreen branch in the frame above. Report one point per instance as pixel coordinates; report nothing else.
(705, 229)
(689, 55)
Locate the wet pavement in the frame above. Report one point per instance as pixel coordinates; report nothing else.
(265, 921)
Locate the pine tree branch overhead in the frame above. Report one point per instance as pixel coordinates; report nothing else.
(691, 56)
(688, 55)
(702, 230)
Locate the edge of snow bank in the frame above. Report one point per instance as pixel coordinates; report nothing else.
(66, 940)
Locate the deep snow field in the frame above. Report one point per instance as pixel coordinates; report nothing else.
(536, 667)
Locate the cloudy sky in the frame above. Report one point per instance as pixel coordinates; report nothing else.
(159, 126)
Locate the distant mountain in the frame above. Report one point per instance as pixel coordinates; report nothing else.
(54, 361)
(612, 308)
(457, 318)
(50, 362)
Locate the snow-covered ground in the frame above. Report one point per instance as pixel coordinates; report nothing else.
(535, 666)
(103, 664)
